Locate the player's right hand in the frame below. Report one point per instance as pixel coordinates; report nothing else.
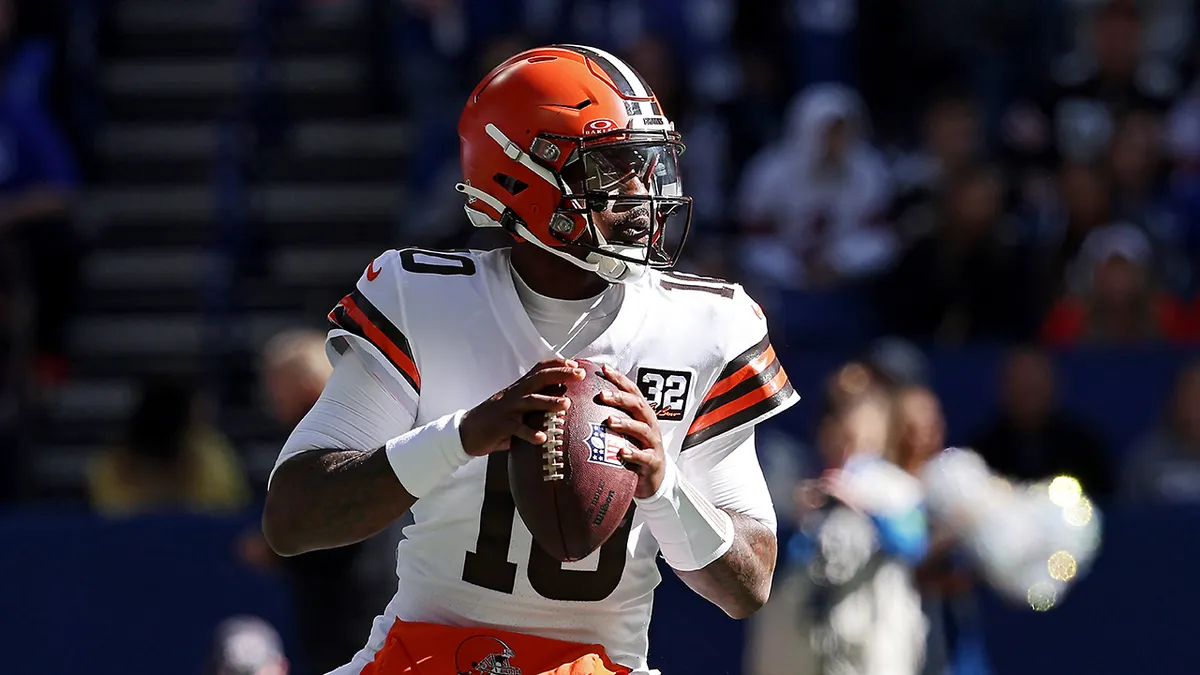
(490, 426)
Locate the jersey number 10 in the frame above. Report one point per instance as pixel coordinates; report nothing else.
(488, 565)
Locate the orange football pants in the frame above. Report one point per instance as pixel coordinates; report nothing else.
(414, 648)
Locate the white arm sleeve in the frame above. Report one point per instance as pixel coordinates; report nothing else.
(355, 412)
(727, 472)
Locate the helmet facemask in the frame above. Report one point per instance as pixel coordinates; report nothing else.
(625, 188)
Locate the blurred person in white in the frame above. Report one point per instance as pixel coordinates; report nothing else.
(1164, 466)
(866, 531)
(335, 592)
(247, 645)
(812, 205)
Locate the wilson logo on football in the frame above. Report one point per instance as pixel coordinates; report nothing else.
(599, 126)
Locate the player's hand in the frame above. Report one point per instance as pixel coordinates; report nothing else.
(649, 461)
(490, 426)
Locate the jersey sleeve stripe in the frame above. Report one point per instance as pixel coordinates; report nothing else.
(355, 314)
(752, 384)
(742, 410)
(756, 367)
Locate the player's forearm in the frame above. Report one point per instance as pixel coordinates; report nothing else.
(739, 582)
(322, 500)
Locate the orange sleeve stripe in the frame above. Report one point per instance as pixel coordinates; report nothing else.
(376, 336)
(750, 398)
(756, 366)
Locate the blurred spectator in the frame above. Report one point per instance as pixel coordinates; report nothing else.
(963, 281)
(866, 533)
(897, 363)
(38, 180)
(336, 592)
(1080, 203)
(294, 371)
(1033, 438)
(247, 645)
(943, 577)
(1138, 168)
(951, 143)
(1076, 115)
(1118, 302)
(812, 205)
(1164, 467)
(171, 458)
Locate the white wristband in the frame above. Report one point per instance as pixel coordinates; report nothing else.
(690, 530)
(425, 457)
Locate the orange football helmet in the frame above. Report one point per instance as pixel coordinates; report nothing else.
(557, 134)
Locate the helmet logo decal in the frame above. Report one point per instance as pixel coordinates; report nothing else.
(484, 655)
(599, 126)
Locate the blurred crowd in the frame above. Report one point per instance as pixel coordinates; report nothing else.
(962, 172)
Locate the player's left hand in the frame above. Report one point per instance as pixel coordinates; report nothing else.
(649, 461)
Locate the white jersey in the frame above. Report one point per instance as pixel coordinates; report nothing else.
(443, 331)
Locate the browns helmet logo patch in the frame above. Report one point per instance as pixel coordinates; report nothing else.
(484, 655)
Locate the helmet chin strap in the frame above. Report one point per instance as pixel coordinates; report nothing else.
(610, 269)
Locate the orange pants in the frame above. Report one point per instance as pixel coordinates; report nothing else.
(414, 648)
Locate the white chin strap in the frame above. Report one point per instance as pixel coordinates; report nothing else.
(610, 269)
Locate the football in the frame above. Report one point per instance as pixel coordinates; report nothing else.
(573, 492)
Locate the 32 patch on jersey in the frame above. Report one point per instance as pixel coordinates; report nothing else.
(666, 390)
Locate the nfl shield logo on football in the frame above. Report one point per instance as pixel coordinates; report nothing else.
(606, 446)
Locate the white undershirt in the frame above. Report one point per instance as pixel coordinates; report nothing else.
(569, 325)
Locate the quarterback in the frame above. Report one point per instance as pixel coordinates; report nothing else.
(438, 355)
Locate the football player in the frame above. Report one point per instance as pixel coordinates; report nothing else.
(567, 149)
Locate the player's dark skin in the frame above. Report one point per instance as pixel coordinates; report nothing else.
(329, 498)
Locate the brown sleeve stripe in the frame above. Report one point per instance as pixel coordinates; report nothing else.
(355, 314)
(752, 385)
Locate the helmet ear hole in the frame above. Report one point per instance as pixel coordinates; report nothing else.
(514, 186)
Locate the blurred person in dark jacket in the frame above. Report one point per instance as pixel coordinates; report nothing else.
(1032, 437)
(1075, 116)
(1117, 301)
(38, 184)
(963, 281)
(952, 140)
(335, 592)
(1137, 164)
(1079, 202)
(171, 458)
(1164, 466)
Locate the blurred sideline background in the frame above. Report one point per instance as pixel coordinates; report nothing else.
(999, 198)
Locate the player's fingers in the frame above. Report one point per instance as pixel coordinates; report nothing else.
(637, 457)
(546, 377)
(639, 432)
(526, 433)
(542, 402)
(554, 363)
(634, 404)
(618, 378)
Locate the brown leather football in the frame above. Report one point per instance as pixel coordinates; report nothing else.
(573, 492)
